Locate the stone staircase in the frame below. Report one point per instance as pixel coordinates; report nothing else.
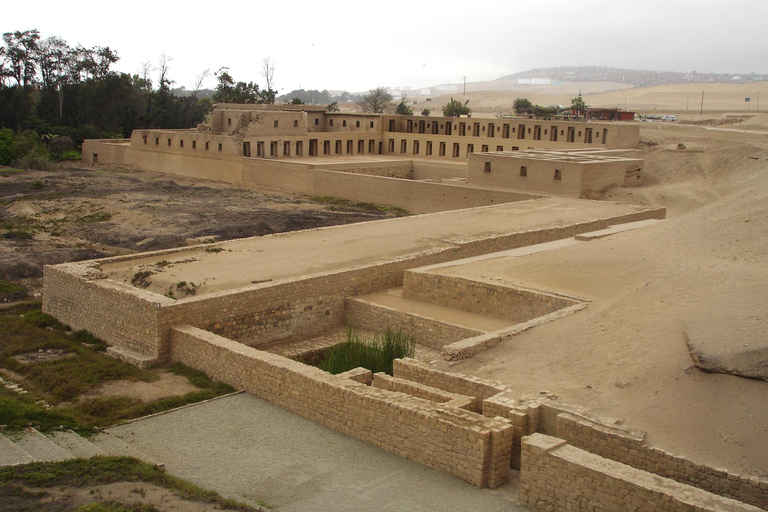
(31, 445)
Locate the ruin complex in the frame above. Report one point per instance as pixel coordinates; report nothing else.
(487, 188)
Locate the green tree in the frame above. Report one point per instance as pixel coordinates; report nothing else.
(578, 106)
(6, 146)
(402, 108)
(296, 101)
(333, 107)
(455, 108)
(426, 112)
(522, 105)
(376, 101)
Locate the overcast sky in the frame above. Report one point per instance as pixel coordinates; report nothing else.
(358, 45)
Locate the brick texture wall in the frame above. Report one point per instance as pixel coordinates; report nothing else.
(458, 442)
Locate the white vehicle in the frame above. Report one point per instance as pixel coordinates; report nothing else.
(669, 118)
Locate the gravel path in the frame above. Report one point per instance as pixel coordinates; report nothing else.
(244, 447)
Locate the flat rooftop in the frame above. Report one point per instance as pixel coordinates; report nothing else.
(239, 263)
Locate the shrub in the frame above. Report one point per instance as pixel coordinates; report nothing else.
(375, 353)
(6, 146)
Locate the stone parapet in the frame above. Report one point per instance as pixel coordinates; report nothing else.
(556, 476)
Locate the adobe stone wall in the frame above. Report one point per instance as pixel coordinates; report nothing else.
(475, 296)
(430, 332)
(124, 316)
(618, 445)
(107, 151)
(258, 313)
(556, 476)
(402, 169)
(455, 441)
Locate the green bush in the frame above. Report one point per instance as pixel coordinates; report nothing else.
(6, 146)
(375, 353)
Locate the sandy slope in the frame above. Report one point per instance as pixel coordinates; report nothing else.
(626, 354)
(678, 98)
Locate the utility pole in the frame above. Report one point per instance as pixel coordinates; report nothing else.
(465, 85)
(758, 101)
(701, 111)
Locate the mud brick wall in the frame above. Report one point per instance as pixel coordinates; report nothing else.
(460, 443)
(631, 450)
(261, 313)
(257, 313)
(109, 151)
(402, 169)
(413, 370)
(384, 381)
(128, 317)
(490, 299)
(556, 476)
(427, 331)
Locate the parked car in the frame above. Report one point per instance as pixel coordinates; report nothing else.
(669, 118)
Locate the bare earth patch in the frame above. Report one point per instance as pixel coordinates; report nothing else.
(125, 493)
(167, 384)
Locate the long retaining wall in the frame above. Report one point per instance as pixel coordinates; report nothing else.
(620, 446)
(556, 476)
(257, 313)
(458, 442)
(428, 331)
(475, 296)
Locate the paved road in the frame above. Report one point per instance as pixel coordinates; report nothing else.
(244, 447)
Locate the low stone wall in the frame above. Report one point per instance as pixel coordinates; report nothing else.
(108, 151)
(127, 317)
(415, 371)
(458, 442)
(620, 445)
(402, 169)
(427, 331)
(384, 381)
(556, 476)
(257, 313)
(485, 298)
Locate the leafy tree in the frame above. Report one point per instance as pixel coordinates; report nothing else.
(6, 146)
(426, 112)
(402, 108)
(455, 108)
(376, 101)
(577, 105)
(522, 105)
(333, 107)
(296, 101)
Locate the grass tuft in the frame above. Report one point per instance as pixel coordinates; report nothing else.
(375, 353)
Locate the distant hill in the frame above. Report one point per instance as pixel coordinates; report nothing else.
(636, 77)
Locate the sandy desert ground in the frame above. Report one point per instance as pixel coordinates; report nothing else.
(680, 99)
(700, 279)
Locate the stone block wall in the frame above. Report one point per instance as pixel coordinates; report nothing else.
(622, 446)
(256, 313)
(458, 442)
(433, 333)
(556, 476)
(128, 317)
(384, 381)
(485, 298)
(467, 385)
(402, 169)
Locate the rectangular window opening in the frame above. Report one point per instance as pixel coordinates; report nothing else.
(487, 167)
(523, 171)
(558, 175)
